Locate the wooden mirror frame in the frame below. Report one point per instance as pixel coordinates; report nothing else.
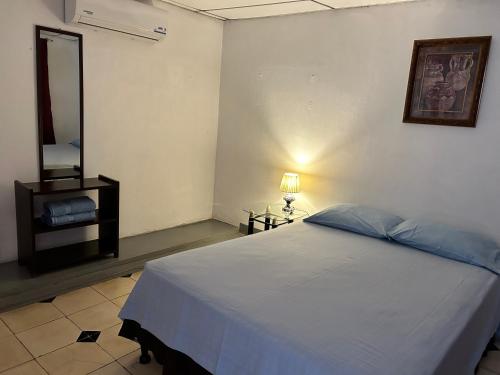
(55, 174)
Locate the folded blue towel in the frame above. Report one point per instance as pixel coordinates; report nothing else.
(54, 221)
(69, 206)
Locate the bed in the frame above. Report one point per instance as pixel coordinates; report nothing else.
(308, 299)
(59, 156)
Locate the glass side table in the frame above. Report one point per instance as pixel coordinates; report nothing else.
(272, 217)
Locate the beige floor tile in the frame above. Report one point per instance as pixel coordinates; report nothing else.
(29, 368)
(4, 331)
(120, 301)
(112, 369)
(492, 362)
(12, 353)
(131, 363)
(115, 288)
(49, 337)
(78, 300)
(77, 359)
(136, 275)
(30, 316)
(116, 345)
(97, 318)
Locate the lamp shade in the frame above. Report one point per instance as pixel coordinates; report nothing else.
(290, 183)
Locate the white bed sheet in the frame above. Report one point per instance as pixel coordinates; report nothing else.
(60, 156)
(312, 300)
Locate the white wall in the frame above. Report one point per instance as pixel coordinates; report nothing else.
(322, 94)
(151, 113)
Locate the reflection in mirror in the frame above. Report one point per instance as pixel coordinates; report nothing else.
(60, 127)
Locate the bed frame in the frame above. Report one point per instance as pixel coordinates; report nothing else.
(173, 361)
(177, 363)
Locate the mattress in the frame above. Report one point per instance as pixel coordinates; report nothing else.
(307, 299)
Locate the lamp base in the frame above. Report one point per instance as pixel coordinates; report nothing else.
(288, 208)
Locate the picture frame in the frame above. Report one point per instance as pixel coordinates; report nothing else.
(445, 81)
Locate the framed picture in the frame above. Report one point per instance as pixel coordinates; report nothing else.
(446, 78)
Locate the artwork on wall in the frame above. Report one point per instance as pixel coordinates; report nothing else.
(446, 78)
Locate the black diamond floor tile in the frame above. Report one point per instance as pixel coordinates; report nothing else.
(88, 336)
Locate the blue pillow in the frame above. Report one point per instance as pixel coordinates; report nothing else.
(75, 142)
(355, 218)
(451, 243)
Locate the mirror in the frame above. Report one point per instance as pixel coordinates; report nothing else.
(60, 103)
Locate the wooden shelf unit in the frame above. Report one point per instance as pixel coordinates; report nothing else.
(29, 226)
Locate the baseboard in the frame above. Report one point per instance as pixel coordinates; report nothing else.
(18, 288)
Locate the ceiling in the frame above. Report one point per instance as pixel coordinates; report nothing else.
(239, 9)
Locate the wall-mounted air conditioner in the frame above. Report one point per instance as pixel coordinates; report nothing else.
(124, 16)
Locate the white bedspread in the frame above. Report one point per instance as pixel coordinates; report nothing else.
(306, 299)
(60, 156)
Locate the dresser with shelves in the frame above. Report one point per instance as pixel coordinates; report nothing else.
(29, 225)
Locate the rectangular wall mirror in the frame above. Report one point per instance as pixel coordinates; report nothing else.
(60, 103)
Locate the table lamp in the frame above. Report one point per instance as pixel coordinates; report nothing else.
(290, 184)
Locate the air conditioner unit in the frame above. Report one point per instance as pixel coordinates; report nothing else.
(124, 16)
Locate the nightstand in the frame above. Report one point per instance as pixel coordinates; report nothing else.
(272, 217)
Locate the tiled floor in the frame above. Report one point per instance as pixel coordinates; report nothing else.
(72, 334)
(77, 333)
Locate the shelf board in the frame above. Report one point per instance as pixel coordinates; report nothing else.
(68, 255)
(41, 227)
(66, 186)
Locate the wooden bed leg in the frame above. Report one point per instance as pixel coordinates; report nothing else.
(145, 358)
(491, 347)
